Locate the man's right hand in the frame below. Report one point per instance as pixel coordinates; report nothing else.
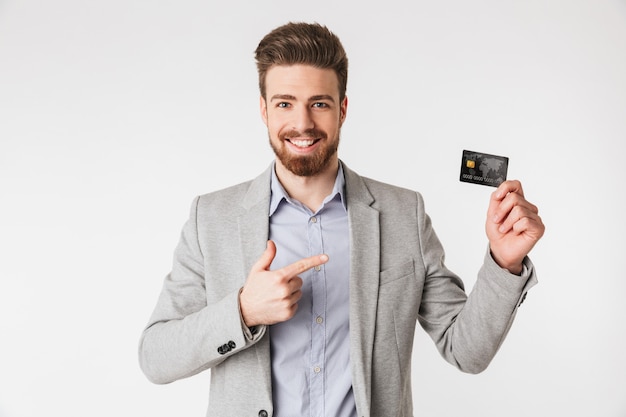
(270, 297)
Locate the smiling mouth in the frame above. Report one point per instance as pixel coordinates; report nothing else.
(302, 143)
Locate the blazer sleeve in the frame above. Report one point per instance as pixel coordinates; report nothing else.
(467, 330)
(184, 335)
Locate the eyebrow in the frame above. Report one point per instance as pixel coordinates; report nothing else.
(312, 98)
(322, 97)
(282, 97)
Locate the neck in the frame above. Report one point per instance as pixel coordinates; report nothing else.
(310, 191)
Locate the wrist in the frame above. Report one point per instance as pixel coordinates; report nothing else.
(244, 320)
(515, 268)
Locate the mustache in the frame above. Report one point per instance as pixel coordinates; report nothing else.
(309, 134)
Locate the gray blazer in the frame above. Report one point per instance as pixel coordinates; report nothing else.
(398, 278)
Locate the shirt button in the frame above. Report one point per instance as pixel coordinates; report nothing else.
(319, 320)
(313, 219)
(317, 369)
(318, 268)
(263, 413)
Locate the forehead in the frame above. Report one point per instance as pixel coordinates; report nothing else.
(301, 79)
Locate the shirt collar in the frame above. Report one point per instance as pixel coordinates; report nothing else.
(279, 194)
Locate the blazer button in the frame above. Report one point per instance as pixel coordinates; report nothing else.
(220, 350)
(263, 413)
(225, 348)
(232, 344)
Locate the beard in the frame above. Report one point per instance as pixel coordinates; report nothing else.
(306, 165)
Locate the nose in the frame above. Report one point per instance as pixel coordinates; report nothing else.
(302, 119)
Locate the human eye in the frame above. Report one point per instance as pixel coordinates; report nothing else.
(320, 105)
(282, 105)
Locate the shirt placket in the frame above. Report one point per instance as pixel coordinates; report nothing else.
(318, 318)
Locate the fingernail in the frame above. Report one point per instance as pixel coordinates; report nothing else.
(323, 258)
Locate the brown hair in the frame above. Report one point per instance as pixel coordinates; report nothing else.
(302, 43)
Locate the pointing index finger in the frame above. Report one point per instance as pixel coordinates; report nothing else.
(304, 264)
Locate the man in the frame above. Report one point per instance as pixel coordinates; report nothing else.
(301, 289)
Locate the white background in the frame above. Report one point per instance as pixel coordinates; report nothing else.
(115, 114)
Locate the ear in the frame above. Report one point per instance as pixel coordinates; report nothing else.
(343, 109)
(263, 108)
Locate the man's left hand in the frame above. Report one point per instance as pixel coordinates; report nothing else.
(513, 226)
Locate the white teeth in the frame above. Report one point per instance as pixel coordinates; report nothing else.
(302, 143)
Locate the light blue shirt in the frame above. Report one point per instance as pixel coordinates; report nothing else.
(311, 351)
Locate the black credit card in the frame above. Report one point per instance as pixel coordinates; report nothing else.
(483, 168)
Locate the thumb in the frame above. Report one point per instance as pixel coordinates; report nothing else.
(264, 262)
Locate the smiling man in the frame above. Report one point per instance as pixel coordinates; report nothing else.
(301, 289)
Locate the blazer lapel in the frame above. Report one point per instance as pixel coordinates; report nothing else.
(364, 281)
(254, 222)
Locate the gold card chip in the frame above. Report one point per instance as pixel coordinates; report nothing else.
(470, 163)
